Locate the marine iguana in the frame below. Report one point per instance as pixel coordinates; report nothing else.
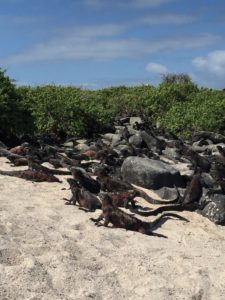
(31, 175)
(83, 197)
(110, 184)
(85, 181)
(190, 200)
(120, 219)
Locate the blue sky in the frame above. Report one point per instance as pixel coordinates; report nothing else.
(99, 43)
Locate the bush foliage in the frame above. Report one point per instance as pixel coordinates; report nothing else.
(15, 118)
(177, 105)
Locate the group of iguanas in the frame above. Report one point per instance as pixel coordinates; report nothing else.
(117, 193)
(104, 192)
(110, 193)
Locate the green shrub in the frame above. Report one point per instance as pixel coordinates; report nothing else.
(177, 105)
(66, 111)
(15, 119)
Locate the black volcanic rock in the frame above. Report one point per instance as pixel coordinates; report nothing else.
(152, 174)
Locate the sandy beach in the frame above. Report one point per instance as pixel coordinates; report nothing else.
(49, 250)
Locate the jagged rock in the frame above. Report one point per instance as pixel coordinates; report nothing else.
(132, 131)
(208, 180)
(133, 120)
(214, 137)
(168, 193)
(81, 141)
(184, 169)
(108, 136)
(118, 140)
(4, 152)
(122, 120)
(171, 153)
(148, 139)
(201, 143)
(2, 145)
(136, 140)
(149, 173)
(153, 142)
(120, 148)
(215, 209)
(198, 149)
(82, 147)
(119, 129)
(68, 144)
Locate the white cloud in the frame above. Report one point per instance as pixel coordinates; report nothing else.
(167, 19)
(88, 85)
(156, 68)
(210, 70)
(214, 62)
(102, 43)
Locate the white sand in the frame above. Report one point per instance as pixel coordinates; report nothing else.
(49, 250)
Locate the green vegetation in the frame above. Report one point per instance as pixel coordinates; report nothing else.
(177, 105)
(15, 119)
